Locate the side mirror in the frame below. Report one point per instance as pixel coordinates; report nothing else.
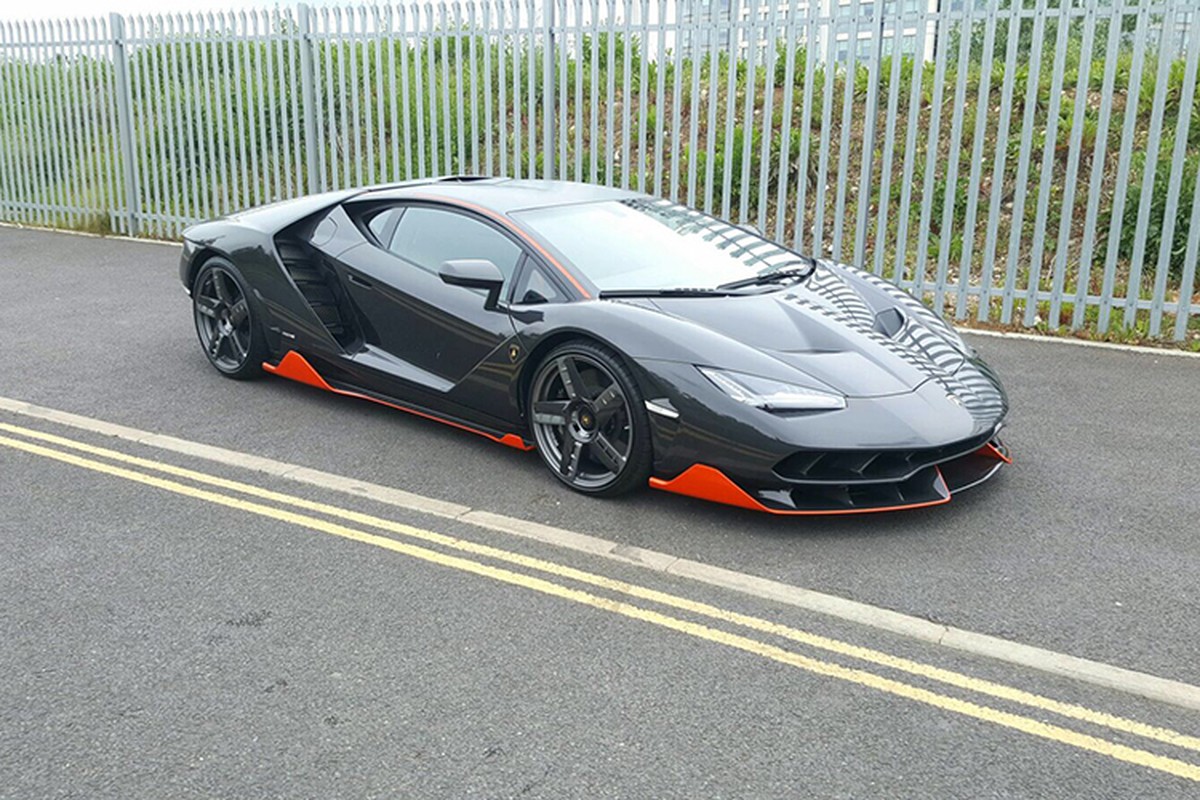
(474, 273)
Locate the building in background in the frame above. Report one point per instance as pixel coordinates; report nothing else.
(838, 28)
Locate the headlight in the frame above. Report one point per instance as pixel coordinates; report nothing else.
(771, 395)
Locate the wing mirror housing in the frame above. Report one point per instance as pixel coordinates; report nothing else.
(474, 273)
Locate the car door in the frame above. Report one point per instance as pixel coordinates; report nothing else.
(416, 326)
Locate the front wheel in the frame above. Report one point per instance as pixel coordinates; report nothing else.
(225, 323)
(589, 420)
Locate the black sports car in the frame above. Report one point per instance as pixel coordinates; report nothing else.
(625, 338)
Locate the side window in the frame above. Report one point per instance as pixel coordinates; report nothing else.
(536, 287)
(429, 236)
(383, 224)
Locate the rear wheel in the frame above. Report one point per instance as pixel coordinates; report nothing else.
(229, 333)
(589, 420)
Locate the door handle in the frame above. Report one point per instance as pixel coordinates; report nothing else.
(359, 281)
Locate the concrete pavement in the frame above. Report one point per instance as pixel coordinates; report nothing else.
(1088, 546)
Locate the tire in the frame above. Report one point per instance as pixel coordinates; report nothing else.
(589, 420)
(229, 330)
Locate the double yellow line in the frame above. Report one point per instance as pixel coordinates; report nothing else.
(617, 601)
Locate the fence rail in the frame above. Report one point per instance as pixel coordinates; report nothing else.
(1030, 162)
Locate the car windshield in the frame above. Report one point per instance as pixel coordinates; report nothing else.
(647, 244)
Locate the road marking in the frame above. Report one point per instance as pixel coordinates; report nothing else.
(1079, 669)
(876, 657)
(1051, 339)
(87, 234)
(859, 677)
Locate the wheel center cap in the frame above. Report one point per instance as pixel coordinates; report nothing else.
(582, 423)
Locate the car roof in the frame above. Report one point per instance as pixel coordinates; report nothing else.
(500, 195)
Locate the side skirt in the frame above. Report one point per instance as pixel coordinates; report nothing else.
(294, 366)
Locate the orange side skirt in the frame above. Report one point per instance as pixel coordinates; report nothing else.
(296, 367)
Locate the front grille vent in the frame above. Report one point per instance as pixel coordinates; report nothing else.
(869, 466)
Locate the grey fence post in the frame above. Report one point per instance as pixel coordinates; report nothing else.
(864, 186)
(549, 103)
(133, 203)
(308, 97)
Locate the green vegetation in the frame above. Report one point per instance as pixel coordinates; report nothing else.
(220, 124)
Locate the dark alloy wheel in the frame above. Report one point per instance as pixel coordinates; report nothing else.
(589, 420)
(225, 321)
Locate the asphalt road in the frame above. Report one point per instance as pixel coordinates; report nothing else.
(157, 645)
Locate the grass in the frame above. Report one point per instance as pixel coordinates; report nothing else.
(220, 125)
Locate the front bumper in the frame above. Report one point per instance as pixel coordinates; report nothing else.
(928, 486)
(907, 450)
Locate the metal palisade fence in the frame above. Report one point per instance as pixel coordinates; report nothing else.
(1030, 162)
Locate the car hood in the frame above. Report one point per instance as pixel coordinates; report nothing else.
(862, 337)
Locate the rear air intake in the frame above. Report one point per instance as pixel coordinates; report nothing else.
(317, 283)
